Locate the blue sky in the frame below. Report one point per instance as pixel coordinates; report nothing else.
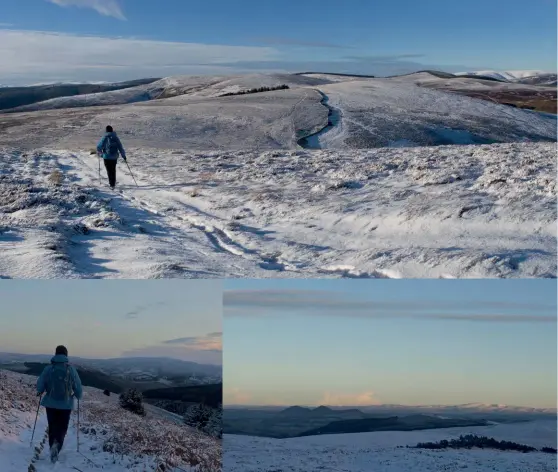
(43, 40)
(122, 318)
(361, 342)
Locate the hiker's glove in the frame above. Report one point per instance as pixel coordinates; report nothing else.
(124, 159)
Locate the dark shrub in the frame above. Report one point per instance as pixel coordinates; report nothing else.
(132, 400)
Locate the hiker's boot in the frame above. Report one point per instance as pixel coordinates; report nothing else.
(54, 452)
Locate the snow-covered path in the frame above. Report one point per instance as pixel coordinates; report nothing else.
(446, 211)
(89, 457)
(110, 438)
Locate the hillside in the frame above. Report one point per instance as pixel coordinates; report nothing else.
(180, 86)
(297, 422)
(139, 370)
(177, 399)
(89, 378)
(445, 211)
(335, 176)
(507, 76)
(411, 423)
(110, 438)
(14, 97)
(386, 451)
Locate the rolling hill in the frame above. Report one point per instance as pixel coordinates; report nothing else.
(110, 438)
(14, 97)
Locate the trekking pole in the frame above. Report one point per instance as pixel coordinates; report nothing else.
(99, 169)
(131, 173)
(36, 416)
(78, 428)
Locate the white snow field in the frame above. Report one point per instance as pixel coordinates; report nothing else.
(509, 75)
(110, 438)
(386, 452)
(447, 211)
(334, 177)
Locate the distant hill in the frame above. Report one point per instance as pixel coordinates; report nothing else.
(177, 399)
(320, 412)
(89, 378)
(412, 423)
(125, 366)
(298, 421)
(12, 97)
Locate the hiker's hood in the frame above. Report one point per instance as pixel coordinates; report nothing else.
(59, 359)
(112, 133)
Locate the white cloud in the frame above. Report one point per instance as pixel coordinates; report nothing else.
(350, 399)
(104, 7)
(32, 56)
(235, 396)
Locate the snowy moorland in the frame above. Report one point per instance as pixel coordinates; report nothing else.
(386, 452)
(109, 437)
(335, 176)
(446, 211)
(510, 75)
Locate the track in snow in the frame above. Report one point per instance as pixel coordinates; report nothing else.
(454, 211)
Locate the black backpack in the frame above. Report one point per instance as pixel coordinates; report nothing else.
(111, 145)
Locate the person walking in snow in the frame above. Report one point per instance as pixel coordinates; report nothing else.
(62, 384)
(109, 148)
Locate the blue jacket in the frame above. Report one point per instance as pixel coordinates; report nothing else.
(42, 385)
(101, 147)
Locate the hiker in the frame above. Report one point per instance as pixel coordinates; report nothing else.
(108, 148)
(61, 383)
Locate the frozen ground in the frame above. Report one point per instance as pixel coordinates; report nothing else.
(188, 86)
(509, 75)
(387, 112)
(110, 438)
(447, 211)
(385, 452)
(226, 190)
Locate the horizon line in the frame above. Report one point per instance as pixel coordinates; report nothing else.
(110, 358)
(266, 71)
(399, 405)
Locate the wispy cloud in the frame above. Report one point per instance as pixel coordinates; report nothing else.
(211, 341)
(207, 349)
(350, 399)
(5, 25)
(104, 7)
(133, 314)
(30, 56)
(236, 396)
(201, 356)
(381, 59)
(285, 41)
(322, 303)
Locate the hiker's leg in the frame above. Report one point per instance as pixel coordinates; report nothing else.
(64, 423)
(51, 426)
(113, 171)
(110, 166)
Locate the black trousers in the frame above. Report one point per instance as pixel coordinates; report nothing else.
(110, 166)
(58, 421)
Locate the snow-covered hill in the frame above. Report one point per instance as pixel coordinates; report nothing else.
(446, 211)
(109, 437)
(386, 452)
(363, 113)
(384, 112)
(327, 178)
(186, 86)
(465, 409)
(509, 75)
